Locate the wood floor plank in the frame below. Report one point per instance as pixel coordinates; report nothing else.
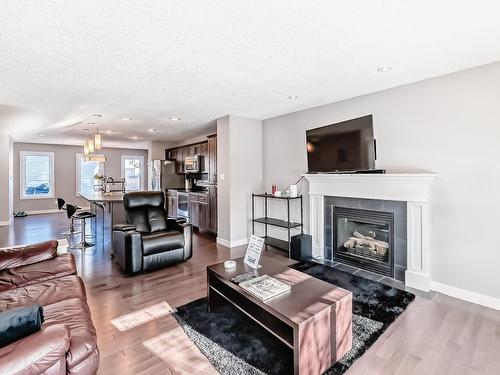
(438, 336)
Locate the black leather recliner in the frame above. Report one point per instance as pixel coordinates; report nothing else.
(149, 240)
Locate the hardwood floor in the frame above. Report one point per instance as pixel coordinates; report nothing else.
(438, 336)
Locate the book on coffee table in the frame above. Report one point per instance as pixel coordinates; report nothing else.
(264, 287)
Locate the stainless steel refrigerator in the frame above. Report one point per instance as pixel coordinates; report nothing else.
(163, 176)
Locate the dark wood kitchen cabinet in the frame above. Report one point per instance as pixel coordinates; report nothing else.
(206, 150)
(171, 154)
(212, 159)
(179, 160)
(202, 205)
(212, 206)
(204, 157)
(199, 211)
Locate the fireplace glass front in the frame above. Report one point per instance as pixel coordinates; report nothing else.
(364, 239)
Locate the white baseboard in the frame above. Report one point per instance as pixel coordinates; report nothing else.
(418, 280)
(223, 242)
(51, 211)
(7, 222)
(230, 244)
(41, 212)
(466, 295)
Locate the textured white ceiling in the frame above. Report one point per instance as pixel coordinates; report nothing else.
(62, 61)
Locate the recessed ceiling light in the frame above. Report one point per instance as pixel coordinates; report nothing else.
(293, 97)
(108, 132)
(126, 119)
(384, 69)
(152, 130)
(41, 135)
(175, 118)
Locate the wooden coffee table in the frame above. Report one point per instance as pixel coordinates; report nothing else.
(314, 319)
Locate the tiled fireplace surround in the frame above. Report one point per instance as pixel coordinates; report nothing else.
(380, 192)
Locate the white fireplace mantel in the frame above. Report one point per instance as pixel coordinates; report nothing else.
(412, 188)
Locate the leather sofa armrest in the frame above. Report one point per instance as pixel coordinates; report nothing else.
(127, 250)
(188, 240)
(176, 224)
(36, 353)
(22, 256)
(187, 231)
(124, 227)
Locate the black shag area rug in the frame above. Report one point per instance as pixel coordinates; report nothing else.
(235, 344)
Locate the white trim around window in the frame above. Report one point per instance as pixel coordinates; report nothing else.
(49, 178)
(141, 167)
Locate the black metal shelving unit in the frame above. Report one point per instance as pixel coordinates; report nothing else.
(270, 221)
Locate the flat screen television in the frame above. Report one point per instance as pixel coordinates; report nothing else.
(347, 146)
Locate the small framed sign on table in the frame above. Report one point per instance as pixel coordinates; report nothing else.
(254, 250)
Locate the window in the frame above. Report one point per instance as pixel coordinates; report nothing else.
(37, 174)
(133, 172)
(85, 172)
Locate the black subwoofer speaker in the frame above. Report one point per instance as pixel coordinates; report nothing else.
(301, 247)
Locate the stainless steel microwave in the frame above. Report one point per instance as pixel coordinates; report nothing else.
(192, 164)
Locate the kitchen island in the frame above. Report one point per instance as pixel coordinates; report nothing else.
(109, 210)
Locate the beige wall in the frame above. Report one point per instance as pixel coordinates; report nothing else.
(65, 173)
(448, 125)
(156, 150)
(6, 179)
(223, 179)
(189, 141)
(239, 159)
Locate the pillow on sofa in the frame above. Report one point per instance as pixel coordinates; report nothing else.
(18, 323)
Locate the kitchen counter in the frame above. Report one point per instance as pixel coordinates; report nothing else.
(99, 196)
(182, 190)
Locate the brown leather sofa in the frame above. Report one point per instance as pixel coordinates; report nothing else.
(67, 342)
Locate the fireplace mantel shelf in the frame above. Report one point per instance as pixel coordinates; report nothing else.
(414, 178)
(413, 188)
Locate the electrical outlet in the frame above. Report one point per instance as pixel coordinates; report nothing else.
(221, 176)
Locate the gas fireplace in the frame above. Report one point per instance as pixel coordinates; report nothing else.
(364, 239)
(367, 234)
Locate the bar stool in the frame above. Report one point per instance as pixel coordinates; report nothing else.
(82, 216)
(61, 206)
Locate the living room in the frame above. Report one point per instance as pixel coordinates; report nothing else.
(384, 266)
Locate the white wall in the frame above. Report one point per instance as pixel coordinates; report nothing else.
(223, 180)
(197, 139)
(239, 159)
(156, 150)
(6, 179)
(449, 125)
(246, 173)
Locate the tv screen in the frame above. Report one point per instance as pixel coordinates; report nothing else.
(342, 147)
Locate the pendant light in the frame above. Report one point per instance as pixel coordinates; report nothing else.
(90, 145)
(97, 141)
